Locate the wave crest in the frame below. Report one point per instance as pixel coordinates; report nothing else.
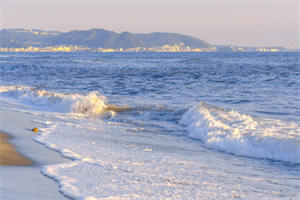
(92, 104)
(89, 105)
(233, 132)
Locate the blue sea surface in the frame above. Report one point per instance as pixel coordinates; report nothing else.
(259, 84)
(242, 107)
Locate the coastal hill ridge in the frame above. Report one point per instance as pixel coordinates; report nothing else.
(93, 38)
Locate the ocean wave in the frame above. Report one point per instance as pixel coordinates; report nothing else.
(88, 105)
(240, 134)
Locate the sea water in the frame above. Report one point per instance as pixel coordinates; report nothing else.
(164, 125)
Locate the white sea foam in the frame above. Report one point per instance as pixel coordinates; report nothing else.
(110, 163)
(233, 132)
(88, 105)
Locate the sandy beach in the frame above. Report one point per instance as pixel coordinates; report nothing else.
(8, 154)
(22, 159)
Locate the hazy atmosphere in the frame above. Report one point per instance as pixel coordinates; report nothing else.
(149, 99)
(236, 22)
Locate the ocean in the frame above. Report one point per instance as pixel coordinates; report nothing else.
(149, 125)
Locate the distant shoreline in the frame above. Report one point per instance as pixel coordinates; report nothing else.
(165, 48)
(102, 40)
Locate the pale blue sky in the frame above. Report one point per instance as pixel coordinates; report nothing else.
(237, 22)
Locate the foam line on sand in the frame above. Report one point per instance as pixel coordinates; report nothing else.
(26, 182)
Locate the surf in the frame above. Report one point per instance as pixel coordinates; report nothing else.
(241, 134)
(89, 105)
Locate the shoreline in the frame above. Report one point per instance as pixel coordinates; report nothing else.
(20, 182)
(9, 156)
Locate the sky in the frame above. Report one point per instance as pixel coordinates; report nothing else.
(228, 22)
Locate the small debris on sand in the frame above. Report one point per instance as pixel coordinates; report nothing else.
(35, 130)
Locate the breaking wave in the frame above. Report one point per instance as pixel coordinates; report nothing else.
(89, 105)
(240, 134)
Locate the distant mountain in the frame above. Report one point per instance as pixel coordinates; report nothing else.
(16, 38)
(93, 38)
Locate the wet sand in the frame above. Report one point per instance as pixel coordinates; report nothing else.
(9, 155)
(23, 181)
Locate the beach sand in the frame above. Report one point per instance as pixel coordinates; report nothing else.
(8, 154)
(25, 181)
